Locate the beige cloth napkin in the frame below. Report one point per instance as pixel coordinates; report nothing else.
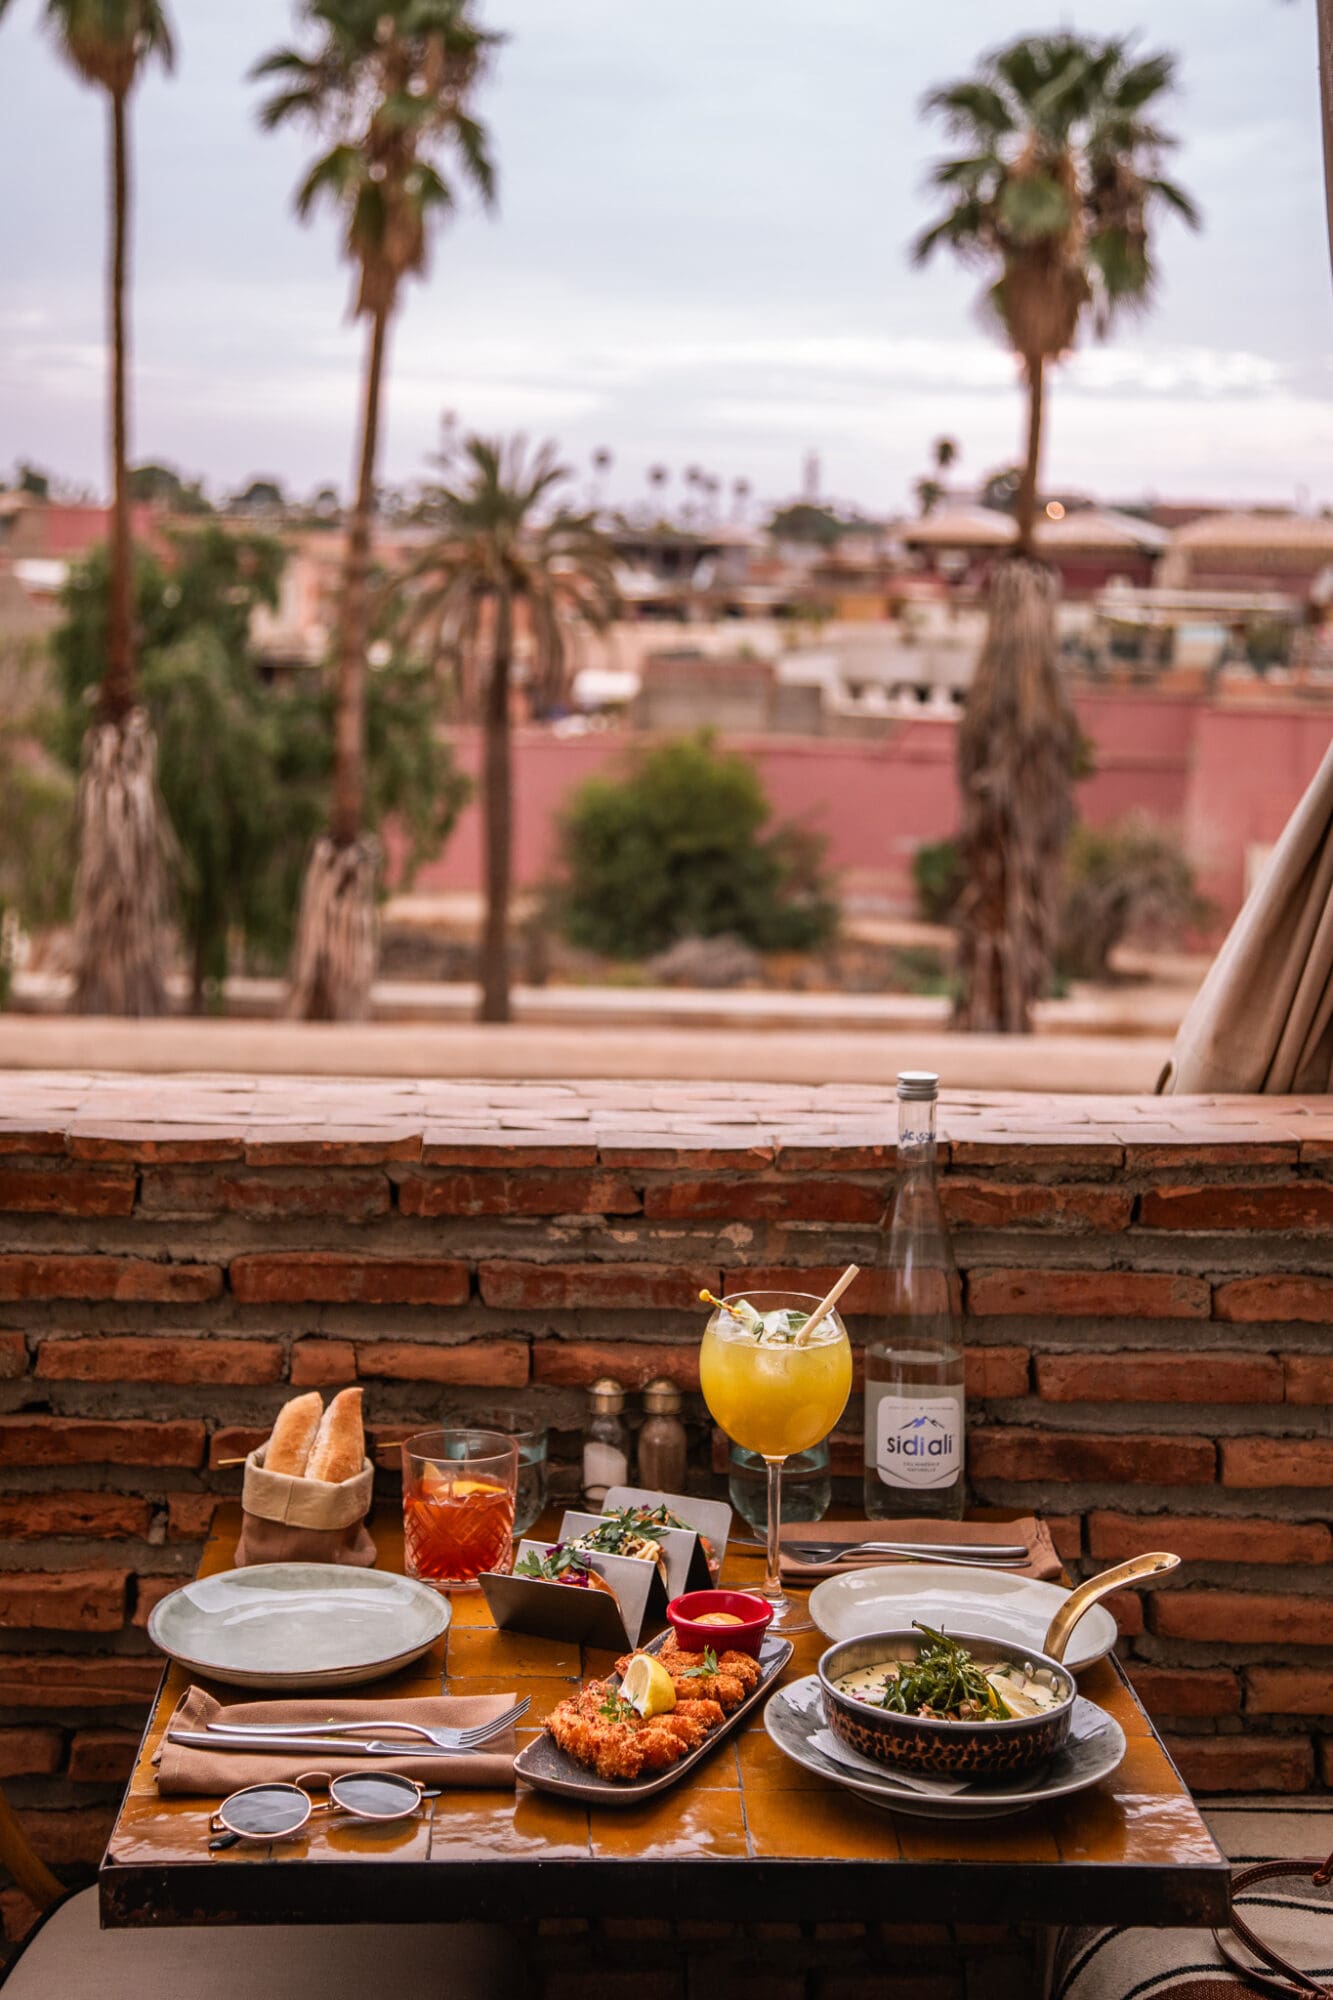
(1042, 1560)
(181, 1769)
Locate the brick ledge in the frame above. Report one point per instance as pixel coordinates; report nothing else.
(295, 1120)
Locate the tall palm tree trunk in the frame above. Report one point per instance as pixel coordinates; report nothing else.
(118, 680)
(120, 887)
(1324, 32)
(1025, 508)
(498, 806)
(1017, 745)
(337, 934)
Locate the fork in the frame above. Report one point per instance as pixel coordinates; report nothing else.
(443, 1738)
(974, 1556)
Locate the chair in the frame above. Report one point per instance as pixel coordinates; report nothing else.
(67, 1957)
(1186, 1965)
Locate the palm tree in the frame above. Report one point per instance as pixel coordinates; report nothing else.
(1052, 194)
(944, 451)
(498, 548)
(387, 83)
(929, 493)
(120, 890)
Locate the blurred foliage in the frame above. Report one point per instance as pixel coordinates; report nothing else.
(244, 766)
(938, 878)
(1123, 879)
(683, 845)
(804, 521)
(1268, 643)
(1127, 879)
(36, 806)
(164, 487)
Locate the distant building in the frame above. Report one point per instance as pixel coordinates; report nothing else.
(1250, 552)
(1088, 546)
(40, 541)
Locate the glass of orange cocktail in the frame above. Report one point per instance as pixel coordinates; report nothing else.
(776, 1382)
(458, 1505)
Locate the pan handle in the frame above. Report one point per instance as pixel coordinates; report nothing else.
(1067, 1617)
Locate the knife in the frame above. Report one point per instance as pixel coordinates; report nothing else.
(345, 1746)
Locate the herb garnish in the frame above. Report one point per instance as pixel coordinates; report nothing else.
(709, 1666)
(556, 1563)
(943, 1680)
(615, 1708)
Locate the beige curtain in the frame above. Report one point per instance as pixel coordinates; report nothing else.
(1263, 1018)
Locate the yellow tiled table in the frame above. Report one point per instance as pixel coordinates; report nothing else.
(748, 1837)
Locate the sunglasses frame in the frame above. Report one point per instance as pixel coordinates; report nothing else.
(220, 1825)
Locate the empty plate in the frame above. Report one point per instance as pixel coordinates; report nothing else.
(1017, 1608)
(794, 1718)
(298, 1625)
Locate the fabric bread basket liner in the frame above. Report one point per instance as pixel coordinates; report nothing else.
(292, 1519)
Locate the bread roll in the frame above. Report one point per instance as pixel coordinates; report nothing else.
(339, 1449)
(294, 1434)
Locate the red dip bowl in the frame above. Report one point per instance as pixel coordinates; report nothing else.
(685, 1613)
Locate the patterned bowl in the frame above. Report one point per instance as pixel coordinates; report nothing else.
(934, 1745)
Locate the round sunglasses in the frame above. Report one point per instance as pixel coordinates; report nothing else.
(279, 1811)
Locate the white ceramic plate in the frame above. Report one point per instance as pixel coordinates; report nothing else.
(1017, 1608)
(298, 1625)
(1096, 1744)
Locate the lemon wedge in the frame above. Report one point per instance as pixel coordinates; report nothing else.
(646, 1686)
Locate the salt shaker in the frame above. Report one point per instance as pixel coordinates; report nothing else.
(605, 1442)
(662, 1441)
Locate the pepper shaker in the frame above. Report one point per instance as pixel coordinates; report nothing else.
(663, 1445)
(605, 1442)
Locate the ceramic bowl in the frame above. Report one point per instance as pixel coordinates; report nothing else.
(755, 1613)
(934, 1745)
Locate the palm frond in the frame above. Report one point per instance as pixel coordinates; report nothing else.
(1176, 198)
(972, 106)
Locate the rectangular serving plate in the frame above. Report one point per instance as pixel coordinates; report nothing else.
(547, 1768)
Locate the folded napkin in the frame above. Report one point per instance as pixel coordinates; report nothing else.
(1042, 1560)
(217, 1772)
(838, 1752)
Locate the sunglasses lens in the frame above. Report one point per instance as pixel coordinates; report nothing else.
(266, 1809)
(378, 1797)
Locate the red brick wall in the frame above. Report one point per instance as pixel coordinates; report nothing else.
(1148, 1288)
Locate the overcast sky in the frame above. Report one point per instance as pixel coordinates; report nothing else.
(698, 255)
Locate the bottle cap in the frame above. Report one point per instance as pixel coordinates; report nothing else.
(918, 1085)
(661, 1398)
(608, 1396)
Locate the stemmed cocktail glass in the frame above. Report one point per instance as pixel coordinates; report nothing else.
(776, 1388)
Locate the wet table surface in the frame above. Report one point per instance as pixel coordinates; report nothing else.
(748, 1837)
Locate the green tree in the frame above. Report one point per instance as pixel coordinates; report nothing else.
(120, 887)
(246, 767)
(1053, 194)
(164, 487)
(388, 83)
(1119, 879)
(500, 553)
(929, 493)
(682, 844)
(36, 803)
(803, 521)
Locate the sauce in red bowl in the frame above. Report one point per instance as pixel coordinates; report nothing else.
(692, 1620)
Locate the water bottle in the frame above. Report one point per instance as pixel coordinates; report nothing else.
(914, 1411)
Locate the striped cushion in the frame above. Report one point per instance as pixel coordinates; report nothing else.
(1297, 1919)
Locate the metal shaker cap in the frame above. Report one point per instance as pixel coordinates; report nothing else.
(918, 1085)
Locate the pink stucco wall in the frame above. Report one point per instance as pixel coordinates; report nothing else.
(1223, 777)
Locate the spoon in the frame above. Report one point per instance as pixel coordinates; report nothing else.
(1067, 1617)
